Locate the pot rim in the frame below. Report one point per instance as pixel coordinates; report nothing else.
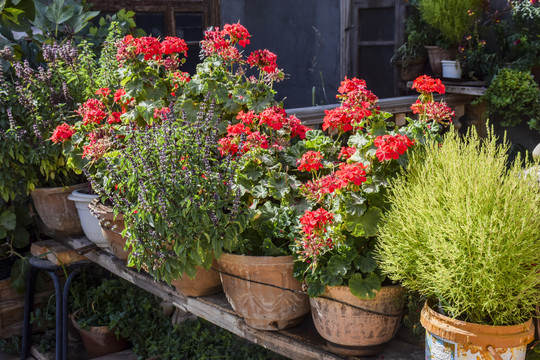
(259, 260)
(500, 336)
(81, 195)
(70, 188)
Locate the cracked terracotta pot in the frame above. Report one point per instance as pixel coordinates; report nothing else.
(263, 291)
(356, 327)
(205, 282)
(460, 340)
(111, 228)
(58, 214)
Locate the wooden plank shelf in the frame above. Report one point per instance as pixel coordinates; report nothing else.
(300, 343)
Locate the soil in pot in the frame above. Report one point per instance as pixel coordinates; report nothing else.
(460, 340)
(263, 291)
(356, 327)
(58, 214)
(205, 282)
(99, 340)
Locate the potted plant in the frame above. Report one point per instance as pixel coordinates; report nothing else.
(469, 246)
(453, 19)
(348, 192)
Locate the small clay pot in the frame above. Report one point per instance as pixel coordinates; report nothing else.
(99, 340)
(111, 228)
(205, 282)
(263, 291)
(58, 214)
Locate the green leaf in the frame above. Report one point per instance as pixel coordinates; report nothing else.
(8, 220)
(315, 288)
(329, 278)
(364, 288)
(355, 204)
(358, 140)
(279, 186)
(365, 264)
(259, 191)
(20, 238)
(339, 265)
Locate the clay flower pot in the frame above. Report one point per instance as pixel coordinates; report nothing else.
(436, 54)
(57, 213)
(356, 327)
(111, 228)
(205, 282)
(99, 340)
(89, 223)
(256, 287)
(460, 340)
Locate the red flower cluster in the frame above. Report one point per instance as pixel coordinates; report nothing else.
(431, 110)
(238, 33)
(99, 145)
(347, 173)
(310, 161)
(346, 152)
(62, 133)
(150, 47)
(215, 42)
(161, 113)
(250, 127)
(425, 84)
(92, 111)
(264, 60)
(315, 220)
(391, 146)
(350, 173)
(178, 79)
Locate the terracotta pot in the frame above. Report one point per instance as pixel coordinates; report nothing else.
(414, 69)
(57, 213)
(340, 319)
(205, 282)
(99, 340)
(264, 307)
(111, 228)
(89, 223)
(461, 340)
(436, 54)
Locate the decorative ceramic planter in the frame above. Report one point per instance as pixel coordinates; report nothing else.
(356, 327)
(447, 338)
(205, 282)
(111, 228)
(263, 291)
(99, 340)
(58, 214)
(451, 69)
(89, 222)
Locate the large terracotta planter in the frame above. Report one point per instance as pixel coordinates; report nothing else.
(459, 340)
(99, 340)
(356, 327)
(205, 282)
(57, 213)
(255, 290)
(89, 222)
(111, 228)
(414, 69)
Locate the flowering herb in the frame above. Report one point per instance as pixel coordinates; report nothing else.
(177, 195)
(350, 171)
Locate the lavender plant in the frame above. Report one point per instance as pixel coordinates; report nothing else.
(176, 193)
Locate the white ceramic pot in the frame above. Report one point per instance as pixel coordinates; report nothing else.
(89, 222)
(451, 69)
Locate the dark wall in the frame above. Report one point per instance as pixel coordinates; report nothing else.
(304, 34)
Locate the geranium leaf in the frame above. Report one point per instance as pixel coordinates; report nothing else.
(339, 265)
(8, 220)
(315, 288)
(365, 264)
(358, 140)
(278, 186)
(364, 288)
(355, 204)
(370, 221)
(329, 278)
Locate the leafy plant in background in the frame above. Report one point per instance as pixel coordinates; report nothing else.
(482, 265)
(351, 172)
(262, 145)
(513, 97)
(236, 82)
(524, 39)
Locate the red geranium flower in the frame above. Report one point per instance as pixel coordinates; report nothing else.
(238, 33)
(317, 219)
(264, 59)
(246, 118)
(346, 152)
(310, 161)
(254, 140)
(103, 92)
(173, 45)
(237, 129)
(118, 94)
(426, 84)
(274, 117)
(391, 146)
(62, 133)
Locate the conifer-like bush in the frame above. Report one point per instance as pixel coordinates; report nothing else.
(464, 228)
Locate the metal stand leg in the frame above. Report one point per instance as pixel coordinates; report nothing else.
(28, 306)
(65, 313)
